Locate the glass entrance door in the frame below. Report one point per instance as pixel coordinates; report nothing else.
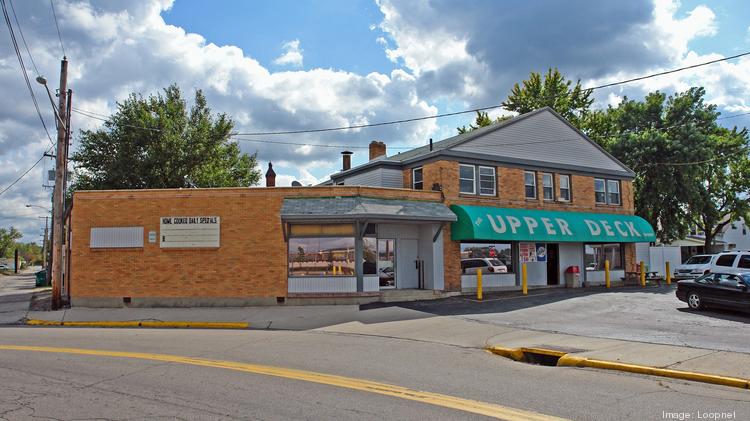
(387, 263)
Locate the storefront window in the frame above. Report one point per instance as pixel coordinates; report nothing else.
(386, 262)
(596, 254)
(321, 256)
(498, 253)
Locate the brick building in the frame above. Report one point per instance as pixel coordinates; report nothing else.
(530, 190)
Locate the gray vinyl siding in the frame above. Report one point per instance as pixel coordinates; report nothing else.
(377, 177)
(542, 137)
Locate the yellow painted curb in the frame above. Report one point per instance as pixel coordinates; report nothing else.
(567, 360)
(512, 353)
(573, 361)
(158, 324)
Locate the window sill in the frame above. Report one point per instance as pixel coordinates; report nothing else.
(607, 205)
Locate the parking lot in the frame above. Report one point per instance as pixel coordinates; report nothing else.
(650, 314)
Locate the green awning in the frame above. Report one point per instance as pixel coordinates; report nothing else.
(509, 224)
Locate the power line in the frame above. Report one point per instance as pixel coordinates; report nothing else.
(20, 31)
(23, 68)
(25, 172)
(635, 79)
(54, 15)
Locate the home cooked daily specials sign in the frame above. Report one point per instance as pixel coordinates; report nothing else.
(189, 231)
(515, 224)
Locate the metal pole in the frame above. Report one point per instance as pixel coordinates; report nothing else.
(524, 280)
(669, 274)
(59, 192)
(606, 273)
(479, 284)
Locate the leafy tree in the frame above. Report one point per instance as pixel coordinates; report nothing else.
(8, 239)
(483, 120)
(555, 92)
(301, 256)
(689, 170)
(157, 142)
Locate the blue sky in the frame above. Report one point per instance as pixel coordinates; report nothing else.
(291, 65)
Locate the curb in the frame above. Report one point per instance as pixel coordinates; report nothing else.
(568, 360)
(156, 324)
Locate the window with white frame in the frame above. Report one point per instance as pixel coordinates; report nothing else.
(565, 187)
(487, 181)
(613, 192)
(529, 179)
(467, 179)
(548, 186)
(600, 190)
(607, 192)
(417, 182)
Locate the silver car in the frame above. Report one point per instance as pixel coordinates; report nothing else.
(486, 264)
(695, 267)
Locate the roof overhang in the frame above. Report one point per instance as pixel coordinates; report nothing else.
(485, 223)
(358, 208)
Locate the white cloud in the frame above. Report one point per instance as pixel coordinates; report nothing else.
(292, 55)
(123, 47)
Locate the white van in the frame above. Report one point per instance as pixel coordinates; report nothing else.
(695, 267)
(731, 260)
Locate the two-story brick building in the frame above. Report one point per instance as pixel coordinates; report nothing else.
(530, 190)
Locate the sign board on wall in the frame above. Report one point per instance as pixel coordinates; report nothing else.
(189, 231)
(527, 252)
(541, 252)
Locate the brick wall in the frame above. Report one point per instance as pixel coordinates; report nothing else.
(251, 261)
(511, 194)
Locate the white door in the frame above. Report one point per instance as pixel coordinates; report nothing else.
(406, 264)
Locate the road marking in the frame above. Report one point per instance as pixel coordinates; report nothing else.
(446, 401)
(145, 323)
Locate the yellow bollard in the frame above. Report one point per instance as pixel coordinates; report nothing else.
(479, 284)
(606, 273)
(669, 275)
(643, 274)
(524, 280)
(334, 270)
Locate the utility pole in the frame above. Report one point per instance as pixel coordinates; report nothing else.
(44, 241)
(58, 196)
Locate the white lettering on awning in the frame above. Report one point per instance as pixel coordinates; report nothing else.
(530, 223)
(514, 223)
(607, 228)
(498, 229)
(548, 226)
(593, 227)
(618, 227)
(564, 228)
(631, 227)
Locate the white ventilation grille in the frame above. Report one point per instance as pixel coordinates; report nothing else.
(116, 237)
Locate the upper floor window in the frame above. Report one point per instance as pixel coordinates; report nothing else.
(607, 191)
(613, 192)
(565, 187)
(487, 181)
(548, 186)
(529, 179)
(417, 182)
(467, 179)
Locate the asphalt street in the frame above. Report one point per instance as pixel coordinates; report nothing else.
(43, 385)
(650, 314)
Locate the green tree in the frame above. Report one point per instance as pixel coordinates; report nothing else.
(157, 142)
(482, 120)
(555, 92)
(8, 239)
(689, 170)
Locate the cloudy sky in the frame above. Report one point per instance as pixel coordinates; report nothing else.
(290, 65)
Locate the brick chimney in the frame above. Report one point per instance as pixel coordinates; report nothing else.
(270, 176)
(347, 160)
(377, 148)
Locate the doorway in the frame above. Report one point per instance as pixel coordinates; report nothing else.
(553, 264)
(407, 266)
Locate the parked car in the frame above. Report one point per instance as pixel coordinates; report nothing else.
(695, 267)
(487, 264)
(731, 260)
(3, 266)
(727, 289)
